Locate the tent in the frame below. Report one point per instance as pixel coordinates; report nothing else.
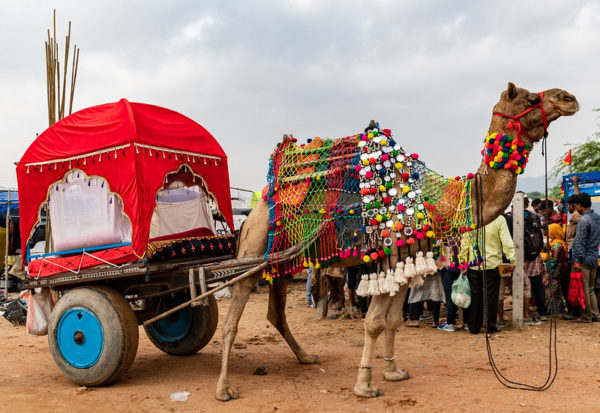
(132, 146)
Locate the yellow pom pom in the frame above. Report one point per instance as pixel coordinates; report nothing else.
(398, 165)
(451, 178)
(513, 147)
(473, 226)
(365, 162)
(278, 223)
(305, 264)
(351, 211)
(366, 258)
(322, 211)
(384, 142)
(310, 264)
(370, 135)
(379, 218)
(420, 215)
(429, 234)
(318, 177)
(406, 190)
(491, 164)
(318, 265)
(518, 171)
(382, 188)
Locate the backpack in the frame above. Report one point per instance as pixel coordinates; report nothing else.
(533, 240)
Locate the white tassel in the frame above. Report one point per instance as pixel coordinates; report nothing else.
(420, 265)
(381, 283)
(373, 285)
(399, 276)
(391, 283)
(363, 286)
(431, 264)
(409, 268)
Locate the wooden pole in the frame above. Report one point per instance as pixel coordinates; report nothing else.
(518, 274)
(6, 249)
(206, 294)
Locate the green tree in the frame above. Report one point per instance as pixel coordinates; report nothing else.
(585, 157)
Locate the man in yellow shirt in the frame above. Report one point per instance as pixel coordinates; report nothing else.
(497, 242)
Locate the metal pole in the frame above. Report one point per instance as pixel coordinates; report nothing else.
(6, 249)
(518, 274)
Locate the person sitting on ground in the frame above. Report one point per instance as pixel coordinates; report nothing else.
(585, 255)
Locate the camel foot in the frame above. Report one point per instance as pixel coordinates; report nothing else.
(367, 390)
(226, 391)
(308, 359)
(397, 375)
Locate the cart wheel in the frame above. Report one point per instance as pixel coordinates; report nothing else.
(93, 335)
(188, 330)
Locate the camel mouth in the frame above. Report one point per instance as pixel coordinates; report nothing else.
(568, 110)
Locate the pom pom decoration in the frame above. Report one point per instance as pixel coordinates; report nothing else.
(409, 268)
(381, 283)
(399, 276)
(390, 283)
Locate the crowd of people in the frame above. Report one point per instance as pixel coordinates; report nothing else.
(554, 248)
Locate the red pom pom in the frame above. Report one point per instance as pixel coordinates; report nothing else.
(364, 191)
(381, 254)
(415, 156)
(373, 221)
(387, 200)
(405, 176)
(410, 241)
(457, 178)
(369, 174)
(357, 168)
(426, 227)
(373, 190)
(372, 160)
(374, 256)
(470, 175)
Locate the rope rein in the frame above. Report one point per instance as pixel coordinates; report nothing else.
(552, 367)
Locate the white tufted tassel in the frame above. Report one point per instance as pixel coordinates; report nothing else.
(409, 268)
(431, 264)
(381, 283)
(420, 265)
(399, 276)
(363, 286)
(373, 285)
(391, 283)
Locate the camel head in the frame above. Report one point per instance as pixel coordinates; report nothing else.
(515, 104)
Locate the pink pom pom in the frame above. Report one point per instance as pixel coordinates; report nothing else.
(385, 157)
(357, 168)
(399, 243)
(415, 156)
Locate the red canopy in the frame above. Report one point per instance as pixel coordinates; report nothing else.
(132, 146)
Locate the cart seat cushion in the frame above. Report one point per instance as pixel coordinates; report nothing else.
(191, 247)
(44, 267)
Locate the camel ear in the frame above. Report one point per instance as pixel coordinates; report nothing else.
(511, 91)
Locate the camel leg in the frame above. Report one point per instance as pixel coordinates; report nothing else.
(374, 326)
(276, 315)
(241, 292)
(392, 322)
(322, 297)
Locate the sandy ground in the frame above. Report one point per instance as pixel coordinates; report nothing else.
(450, 371)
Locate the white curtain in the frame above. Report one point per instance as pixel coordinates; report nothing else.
(84, 214)
(180, 210)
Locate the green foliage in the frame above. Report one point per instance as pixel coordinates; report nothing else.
(585, 157)
(535, 194)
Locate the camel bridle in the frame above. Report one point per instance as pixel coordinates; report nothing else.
(515, 121)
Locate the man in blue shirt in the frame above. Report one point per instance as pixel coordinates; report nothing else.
(585, 254)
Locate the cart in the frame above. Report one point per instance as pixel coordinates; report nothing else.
(99, 174)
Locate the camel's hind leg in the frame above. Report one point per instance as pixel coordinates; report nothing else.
(374, 326)
(239, 298)
(276, 315)
(392, 322)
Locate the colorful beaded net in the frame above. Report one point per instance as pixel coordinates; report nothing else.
(363, 195)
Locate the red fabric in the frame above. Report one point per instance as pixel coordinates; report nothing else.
(135, 177)
(576, 296)
(568, 159)
(56, 265)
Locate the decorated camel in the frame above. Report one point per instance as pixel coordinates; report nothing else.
(368, 201)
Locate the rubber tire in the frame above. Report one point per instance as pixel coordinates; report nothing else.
(120, 329)
(204, 324)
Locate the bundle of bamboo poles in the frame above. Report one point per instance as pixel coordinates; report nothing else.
(56, 95)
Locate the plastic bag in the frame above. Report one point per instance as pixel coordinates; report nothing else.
(461, 291)
(39, 308)
(576, 296)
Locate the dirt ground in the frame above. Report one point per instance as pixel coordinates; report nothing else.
(449, 371)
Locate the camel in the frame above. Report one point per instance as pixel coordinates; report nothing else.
(517, 112)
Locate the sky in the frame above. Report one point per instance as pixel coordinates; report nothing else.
(250, 71)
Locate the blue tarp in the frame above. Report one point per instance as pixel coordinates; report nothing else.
(14, 203)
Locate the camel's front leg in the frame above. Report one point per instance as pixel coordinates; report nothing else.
(374, 326)
(392, 322)
(239, 298)
(276, 315)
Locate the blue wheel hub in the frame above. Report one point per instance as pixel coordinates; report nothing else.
(175, 327)
(80, 337)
